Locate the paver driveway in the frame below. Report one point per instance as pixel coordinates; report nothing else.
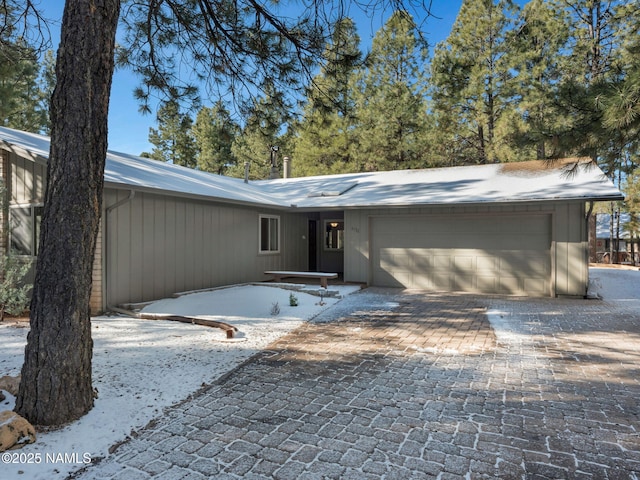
(406, 385)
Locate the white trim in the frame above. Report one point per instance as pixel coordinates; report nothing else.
(278, 239)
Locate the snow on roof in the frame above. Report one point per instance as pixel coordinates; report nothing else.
(509, 182)
(132, 172)
(603, 225)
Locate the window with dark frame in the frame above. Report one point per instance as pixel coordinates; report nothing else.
(334, 234)
(24, 229)
(269, 234)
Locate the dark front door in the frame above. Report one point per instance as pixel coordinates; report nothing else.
(313, 245)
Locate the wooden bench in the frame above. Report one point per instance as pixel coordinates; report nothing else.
(279, 275)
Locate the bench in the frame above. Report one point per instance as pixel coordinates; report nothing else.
(279, 275)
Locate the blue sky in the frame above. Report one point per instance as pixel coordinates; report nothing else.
(129, 130)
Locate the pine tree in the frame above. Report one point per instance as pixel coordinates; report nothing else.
(48, 83)
(173, 140)
(214, 133)
(325, 135)
(392, 106)
(537, 44)
(589, 63)
(472, 82)
(22, 102)
(621, 103)
(264, 124)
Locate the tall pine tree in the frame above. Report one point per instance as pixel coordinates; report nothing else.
(537, 45)
(472, 83)
(264, 127)
(173, 140)
(391, 103)
(214, 133)
(23, 102)
(325, 140)
(589, 63)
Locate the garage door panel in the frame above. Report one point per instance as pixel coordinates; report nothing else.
(441, 280)
(486, 265)
(536, 286)
(509, 285)
(526, 261)
(489, 254)
(441, 262)
(465, 263)
(486, 284)
(464, 283)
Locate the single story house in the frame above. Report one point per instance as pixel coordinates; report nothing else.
(516, 229)
(624, 246)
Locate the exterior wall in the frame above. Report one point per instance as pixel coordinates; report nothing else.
(97, 278)
(572, 249)
(27, 185)
(28, 180)
(4, 203)
(156, 245)
(569, 247)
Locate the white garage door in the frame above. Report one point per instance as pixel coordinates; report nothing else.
(507, 254)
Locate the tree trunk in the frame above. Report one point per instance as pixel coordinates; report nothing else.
(56, 375)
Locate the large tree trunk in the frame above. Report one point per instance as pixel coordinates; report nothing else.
(56, 375)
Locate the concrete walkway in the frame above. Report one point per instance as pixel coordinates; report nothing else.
(416, 386)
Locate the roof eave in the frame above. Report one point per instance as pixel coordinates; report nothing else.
(194, 196)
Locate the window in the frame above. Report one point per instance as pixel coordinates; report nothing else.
(25, 228)
(334, 234)
(269, 234)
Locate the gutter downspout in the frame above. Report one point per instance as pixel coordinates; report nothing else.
(107, 248)
(588, 216)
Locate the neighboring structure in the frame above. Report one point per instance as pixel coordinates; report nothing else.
(517, 229)
(624, 246)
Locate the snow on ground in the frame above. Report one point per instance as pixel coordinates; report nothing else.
(141, 367)
(613, 284)
(616, 284)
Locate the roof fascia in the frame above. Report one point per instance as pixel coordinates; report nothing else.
(193, 196)
(23, 152)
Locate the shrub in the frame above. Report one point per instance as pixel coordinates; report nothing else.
(293, 300)
(14, 293)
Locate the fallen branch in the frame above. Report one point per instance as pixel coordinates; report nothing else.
(230, 330)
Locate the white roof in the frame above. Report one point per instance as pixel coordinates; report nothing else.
(506, 182)
(502, 183)
(603, 225)
(132, 172)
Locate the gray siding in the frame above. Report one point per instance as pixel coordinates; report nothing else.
(568, 247)
(572, 249)
(27, 184)
(158, 245)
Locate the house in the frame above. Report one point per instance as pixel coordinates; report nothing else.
(516, 229)
(624, 246)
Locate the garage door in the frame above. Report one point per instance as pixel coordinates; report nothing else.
(507, 254)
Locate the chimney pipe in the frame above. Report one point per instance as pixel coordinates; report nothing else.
(246, 172)
(286, 167)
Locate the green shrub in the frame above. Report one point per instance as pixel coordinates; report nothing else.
(15, 295)
(293, 300)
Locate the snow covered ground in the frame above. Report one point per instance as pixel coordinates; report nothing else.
(142, 366)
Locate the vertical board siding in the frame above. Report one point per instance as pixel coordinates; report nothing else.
(27, 183)
(4, 178)
(159, 245)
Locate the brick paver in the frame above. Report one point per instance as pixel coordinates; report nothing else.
(415, 386)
